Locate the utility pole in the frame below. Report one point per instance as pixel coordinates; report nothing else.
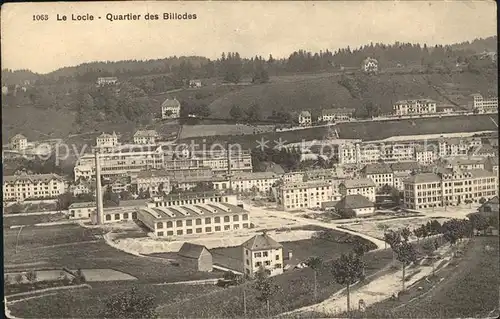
(19, 233)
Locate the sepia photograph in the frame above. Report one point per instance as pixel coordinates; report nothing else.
(250, 159)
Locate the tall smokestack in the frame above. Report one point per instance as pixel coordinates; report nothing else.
(100, 209)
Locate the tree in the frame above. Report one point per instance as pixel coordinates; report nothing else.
(130, 304)
(482, 200)
(315, 263)
(347, 270)
(31, 276)
(236, 113)
(406, 254)
(393, 239)
(229, 275)
(266, 288)
(253, 113)
(478, 221)
(360, 249)
(429, 248)
(18, 278)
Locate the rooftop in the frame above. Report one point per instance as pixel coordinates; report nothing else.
(261, 242)
(423, 178)
(190, 195)
(305, 113)
(377, 168)
(190, 250)
(82, 205)
(152, 173)
(18, 137)
(190, 211)
(146, 133)
(106, 135)
(309, 184)
(341, 110)
(405, 166)
(358, 183)
(415, 101)
(353, 202)
(254, 175)
(171, 103)
(32, 178)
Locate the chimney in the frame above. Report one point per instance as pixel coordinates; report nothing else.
(290, 254)
(100, 209)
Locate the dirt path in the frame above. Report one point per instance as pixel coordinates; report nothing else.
(380, 289)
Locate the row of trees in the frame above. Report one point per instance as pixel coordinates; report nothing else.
(289, 159)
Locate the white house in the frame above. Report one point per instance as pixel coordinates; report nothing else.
(358, 204)
(82, 210)
(154, 180)
(110, 80)
(360, 186)
(107, 141)
(482, 105)
(34, 186)
(195, 83)
(170, 109)
(418, 106)
(369, 65)
(305, 118)
(338, 114)
(145, 137)
(82, 187)
(19, 142)
(262, 251)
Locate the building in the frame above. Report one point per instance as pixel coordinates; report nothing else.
(369, 65)
(338, 114)
(411, 107)
(482, 105)
(356, 205)
(359, 186)
(216, 160)
(261, 251)
(83, 187)
(194, 219)
(148, 137)
(122, 161)
(195, 84)
(156, 181)
(402, 171)
(448, 187)
(305, 118)
(380, 173)
(82, 210)
(19, 142)
(119, 214)
(448, 147)
(195, 257)
(295, 196)
(424, 155)
(464, 163)
(261, 182)
(397, 152)
(110, 80)
(170, 109)
(120, 184)
(490, 208)
(107, 142)
(192, 199)
(293, 177)
(34, 186)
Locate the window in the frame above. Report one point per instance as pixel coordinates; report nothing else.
(117, 216)
(170, 233)
(160, 234)
(208, 229)
(189, 231)
(246, 252)
(264, 254)
(169, 224)
(267, 263)
(257, 264)
(208, 220)
(227, 227)
(159, 225)
(277, 257)
(198, 230)
(236, 218)
(236, 226)
(245, 225)
(217, 228)
(125, 215)
(189, 222)
(248, 263)
(179, 232)
(178, 223)
(198, 221)
(217, 220)
(257, 255)
(226, 219)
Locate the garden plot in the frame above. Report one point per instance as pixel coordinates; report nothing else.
(376, 228)
(189, 131)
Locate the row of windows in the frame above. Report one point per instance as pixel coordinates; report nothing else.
(117, 216)
(198, 221)
(192, 201)
(199, 230)
(305, 195)
(262, 254)
(266, 263)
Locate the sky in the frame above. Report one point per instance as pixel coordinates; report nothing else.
(250, 28)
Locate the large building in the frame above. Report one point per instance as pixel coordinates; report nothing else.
(154, 181)
(216, 160)
(194, 219)
(107, 142)
(411, 107)
(110, 80)
(148, 137)
(19, 142)
(170, 109)
(124, 160)
(261, 182)
(356, 205)
(305, 118)
(296, 196)
(449, 187)
(359, 186)
(380, 173)
(82, 210)
(338, 114)
(34, 186)
(261, 251)
(482, 105)
(192, 199)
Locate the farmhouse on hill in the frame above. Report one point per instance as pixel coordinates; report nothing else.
(170, 109)
(19, 142)
(262, 251)
(369, 65)
(305, 118)
(195, 257)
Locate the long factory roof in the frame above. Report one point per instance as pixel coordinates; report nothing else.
(191, 211)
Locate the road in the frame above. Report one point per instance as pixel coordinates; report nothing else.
(306, 221)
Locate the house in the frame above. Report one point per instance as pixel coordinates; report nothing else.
(110, 80)
(147, 137)
(32, 186)
(107, 141)
(482, 105)
(195, 257)
(195, 84)
(305, 118)
(120, 184)
(337, 114)
(300, 195)
(262, 251)
(380, 173)
(369, 65)
(82, 210)
(170, 109)
(357, 204)
(83, 187)
(490, 208)
(19, 142)
(157, 181)
(412, 107)
(359, 186)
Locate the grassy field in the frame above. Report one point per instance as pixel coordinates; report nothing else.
(76, 247)
(190, 131)
(89, 303)
(323, 91)
(469, 290)
(11, 220)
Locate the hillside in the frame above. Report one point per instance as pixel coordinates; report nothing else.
(383, 90)
(478, 45)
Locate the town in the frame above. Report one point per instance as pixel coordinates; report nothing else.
(194, 193)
